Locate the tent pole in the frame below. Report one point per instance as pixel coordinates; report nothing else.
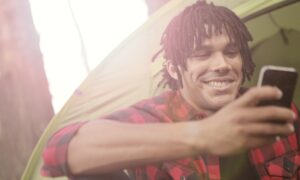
(269, 9)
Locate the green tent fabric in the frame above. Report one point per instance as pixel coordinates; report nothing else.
(277, 41)
(127, 74)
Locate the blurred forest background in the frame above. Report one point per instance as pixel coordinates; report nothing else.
(25, 100)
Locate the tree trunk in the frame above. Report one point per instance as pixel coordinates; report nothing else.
(25, 101)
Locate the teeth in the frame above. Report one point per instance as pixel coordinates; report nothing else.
(218, 84)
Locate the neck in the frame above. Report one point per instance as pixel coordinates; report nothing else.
(206, 111)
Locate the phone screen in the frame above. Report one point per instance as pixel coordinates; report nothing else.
(282, 77)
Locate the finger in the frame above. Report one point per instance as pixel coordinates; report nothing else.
(269, 129)
(258, 141)
(272, 114)
(256, 94)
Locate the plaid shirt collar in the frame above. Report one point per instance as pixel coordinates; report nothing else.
(181, 110)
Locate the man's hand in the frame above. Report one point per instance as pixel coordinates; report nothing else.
(242, 125)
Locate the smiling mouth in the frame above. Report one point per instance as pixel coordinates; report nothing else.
(219, 84)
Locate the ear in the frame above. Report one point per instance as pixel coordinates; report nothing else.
(172, 70)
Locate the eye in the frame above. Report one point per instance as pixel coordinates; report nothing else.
(202, 54)
(231, 52)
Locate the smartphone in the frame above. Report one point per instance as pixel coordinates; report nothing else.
(285, 78)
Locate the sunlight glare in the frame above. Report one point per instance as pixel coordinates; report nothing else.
(103, 25)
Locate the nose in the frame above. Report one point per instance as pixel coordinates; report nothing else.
(220, 63)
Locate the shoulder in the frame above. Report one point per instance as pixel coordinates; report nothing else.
(146, 110)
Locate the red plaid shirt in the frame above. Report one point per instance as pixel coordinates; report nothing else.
(278, 161)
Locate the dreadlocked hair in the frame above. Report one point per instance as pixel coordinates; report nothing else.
(190, 28)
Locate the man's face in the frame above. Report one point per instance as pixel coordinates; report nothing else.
(214, 74)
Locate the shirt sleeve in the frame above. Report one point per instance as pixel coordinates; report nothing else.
(55, 153)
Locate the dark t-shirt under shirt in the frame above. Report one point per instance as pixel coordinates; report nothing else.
(237, 167)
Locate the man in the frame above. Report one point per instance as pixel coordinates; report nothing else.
(205, 128)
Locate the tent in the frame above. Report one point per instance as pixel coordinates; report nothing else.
(276, 40)
(127, 74)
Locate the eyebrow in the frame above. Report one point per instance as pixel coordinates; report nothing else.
(208, 47)
(203, 47)
(232, 44)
